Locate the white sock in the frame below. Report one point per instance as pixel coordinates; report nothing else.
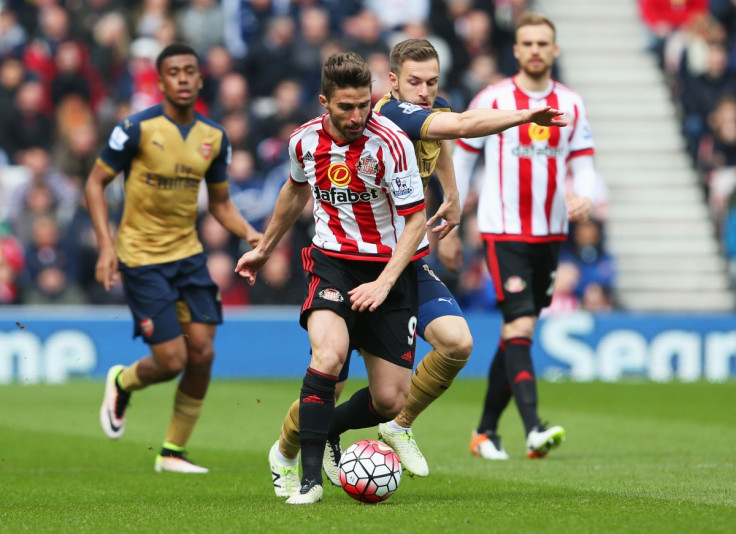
(394, 427)
(283, 460)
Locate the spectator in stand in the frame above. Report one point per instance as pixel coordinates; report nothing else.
(53, 286)
(280, 115)
(363, 35)
(47, 192)
(76, 152)
(74, 76)
(728, 232)
(28, 124)
(215, 238)
(12, 266)
(12, 35)
(201, 24)
(84, 240)
(54, 25)
(418, 29)
(233, 292)
(314, 32)
(150, 17)
(380, 66)
(239, 131)
(597, 298)
(84, 16)
(12, 76)
(140, 83)
(482, 72)
(718, 155)
(587, 253)
(277, 283)
(392, 14)
(504, 15)
(564, 299)
(49, 249)
(271, 60)
(233, 96)
(663, 17)
(108, 51)
(246, 21)
(246, 189)
(217, 63)
(699, 94)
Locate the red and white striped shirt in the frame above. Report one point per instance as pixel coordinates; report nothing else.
(523, 193)
(362, 189)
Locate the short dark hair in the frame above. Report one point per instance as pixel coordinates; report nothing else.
(175, 49)
(414, 49)
(343, 70)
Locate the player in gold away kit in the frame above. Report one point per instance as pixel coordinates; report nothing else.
(165, 153)
(427, 119)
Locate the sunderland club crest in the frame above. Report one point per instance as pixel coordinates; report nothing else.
(368, 165)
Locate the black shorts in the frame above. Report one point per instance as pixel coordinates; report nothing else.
(523, 275)
(389, 332)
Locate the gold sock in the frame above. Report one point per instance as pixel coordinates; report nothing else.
(128, 379)
(432, 378)
(186, 414)
(289, 438)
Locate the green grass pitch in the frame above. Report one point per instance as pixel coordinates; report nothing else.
(639, 457)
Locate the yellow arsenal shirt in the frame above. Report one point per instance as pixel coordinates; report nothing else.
(164, 164)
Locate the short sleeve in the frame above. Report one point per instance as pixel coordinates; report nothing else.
(217, 173)
(122, 145)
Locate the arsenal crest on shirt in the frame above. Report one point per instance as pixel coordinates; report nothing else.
(206, 150)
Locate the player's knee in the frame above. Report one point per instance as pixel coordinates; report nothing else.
(519, 327)
(456, 344)
(328, 361)
(202, 355)
(389, 404)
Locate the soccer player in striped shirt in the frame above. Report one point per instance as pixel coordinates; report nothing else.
(414, 106)
(370, 225)
(523, 216)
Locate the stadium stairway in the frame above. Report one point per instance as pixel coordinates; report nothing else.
(659, 227)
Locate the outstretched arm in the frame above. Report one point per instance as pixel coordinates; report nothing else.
(482, 122)
(289, 205)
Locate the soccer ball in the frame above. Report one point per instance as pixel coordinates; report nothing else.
(370, 471)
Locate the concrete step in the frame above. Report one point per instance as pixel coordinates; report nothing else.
(624, 230)
(639, 111)
(669, 301)
(660, 213)
(653, 248)
(643, 178)
(664, 281)
(624, 77)
(609, 12)
(638, 143)
(671, 263)
(616, 161)
(671, 195)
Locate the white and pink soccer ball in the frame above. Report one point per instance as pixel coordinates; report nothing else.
(370, 471)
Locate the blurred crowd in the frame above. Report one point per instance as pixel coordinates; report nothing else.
(695, 44)
(70, 69)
